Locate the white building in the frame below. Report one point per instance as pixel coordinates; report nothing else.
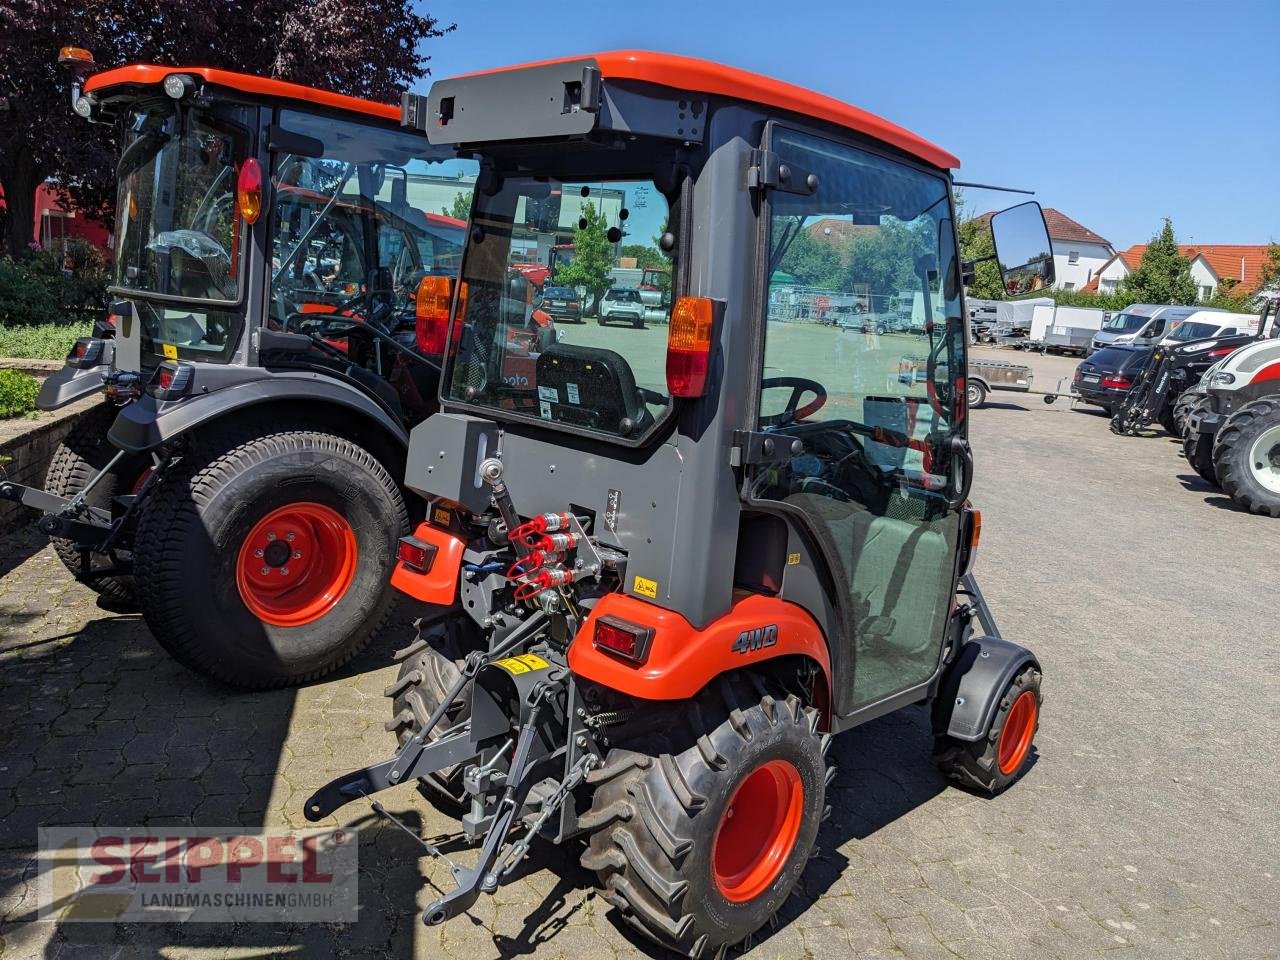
(1239, 265)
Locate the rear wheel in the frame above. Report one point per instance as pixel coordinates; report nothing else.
(79, 458)
(1246, 455)
(428, 668)
(699, 836)
(994, 762)
(265, 561)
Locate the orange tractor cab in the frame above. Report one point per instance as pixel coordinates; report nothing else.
(660, 583)
(263, 362)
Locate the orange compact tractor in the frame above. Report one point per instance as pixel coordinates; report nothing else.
(674, 560)
(260, 369)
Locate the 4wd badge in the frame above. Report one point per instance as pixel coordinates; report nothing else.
(756, 639)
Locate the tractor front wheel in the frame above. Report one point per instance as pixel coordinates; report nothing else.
(1246, 456)
(84, 453)
(699, 836)
(993, 762)
(265, 561)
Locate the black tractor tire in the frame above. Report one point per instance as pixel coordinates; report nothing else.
(78, 459)
(975, 394)
(659, 807)
(193, 555)
(1239, 464)
(428, 669)
(978, 765)
(1181, 408)
(1168, 420)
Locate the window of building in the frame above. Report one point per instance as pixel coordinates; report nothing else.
(1073, 256)
(1068, 286)
(1206, 292)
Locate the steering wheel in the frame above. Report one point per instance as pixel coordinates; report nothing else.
(793, 411)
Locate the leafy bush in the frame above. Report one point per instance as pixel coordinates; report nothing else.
(48, 341)
(38, 290)
(17, 393)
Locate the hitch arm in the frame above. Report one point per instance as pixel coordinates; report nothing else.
(415, 759)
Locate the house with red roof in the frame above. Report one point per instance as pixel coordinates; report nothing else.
(1212, 264)
(1078, 252)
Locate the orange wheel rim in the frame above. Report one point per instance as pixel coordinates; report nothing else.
(296, 564)
(757, 831)
(1015, 738)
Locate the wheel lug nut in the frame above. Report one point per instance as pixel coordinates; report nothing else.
(265, 571)
(297, 555)
(289, 537)
(271, 536)
(284, 571)
(257, 553)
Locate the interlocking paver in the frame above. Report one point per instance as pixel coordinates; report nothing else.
(1145, 829)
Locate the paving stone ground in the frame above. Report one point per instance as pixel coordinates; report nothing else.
(1147, 827)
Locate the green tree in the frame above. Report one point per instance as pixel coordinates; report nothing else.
(1164, 275)
(592, 256)
(460, 208)
(1270, 276)
(976, 244)
(814, 263)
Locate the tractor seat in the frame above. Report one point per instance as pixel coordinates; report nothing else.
(590, 387)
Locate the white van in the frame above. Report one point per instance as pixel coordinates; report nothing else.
(1141, 324)
(1210, 323)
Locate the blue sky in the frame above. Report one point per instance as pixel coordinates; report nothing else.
(1117, 113)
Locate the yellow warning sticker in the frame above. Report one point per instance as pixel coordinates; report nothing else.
(441, 516)
(645, 587)
(169, 350)
(526, 663)
(793, 559)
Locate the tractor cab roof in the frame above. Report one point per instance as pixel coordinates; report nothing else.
(511, 103)
(124, 80)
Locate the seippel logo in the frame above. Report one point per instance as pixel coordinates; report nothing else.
(756, 638)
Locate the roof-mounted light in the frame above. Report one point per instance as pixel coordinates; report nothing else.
(77, 58)
(178, 85)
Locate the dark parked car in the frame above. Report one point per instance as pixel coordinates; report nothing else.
(562, 303)
(1104, 377)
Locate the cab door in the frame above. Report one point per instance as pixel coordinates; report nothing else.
(863, 362)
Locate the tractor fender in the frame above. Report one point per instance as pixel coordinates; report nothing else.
(438, 584)
(682, 659)
(974, 683)
(70, 384)
(147, 423)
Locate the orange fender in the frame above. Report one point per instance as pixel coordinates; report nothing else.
(438, 585)
(683, 659)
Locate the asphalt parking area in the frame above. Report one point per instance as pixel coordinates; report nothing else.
(1146, 827)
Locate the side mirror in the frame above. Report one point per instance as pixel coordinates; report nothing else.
(1023, 250)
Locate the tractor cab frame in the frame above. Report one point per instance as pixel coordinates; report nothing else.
(669, 561)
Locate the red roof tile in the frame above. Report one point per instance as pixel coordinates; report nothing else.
(1241, 262)
(1062, 227)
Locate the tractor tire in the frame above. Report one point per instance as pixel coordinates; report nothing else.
(1181, 408)
(78, 459)
(991, 764)
(1246, 455)
(428, 668)
(224, 527)
(663, 838)
(975, 394)
(1169, 421)
(1198, 449)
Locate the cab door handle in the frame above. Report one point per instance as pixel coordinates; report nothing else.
(958, 447)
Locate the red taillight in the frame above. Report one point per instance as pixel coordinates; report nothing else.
(1117, 382)
(625, 639)
(1222, 352)
(249, 191)
(689, 341)
(431, 311)
(416, 553)
(171, 381)
(573, 304)
(79, 350)
(1078, 377)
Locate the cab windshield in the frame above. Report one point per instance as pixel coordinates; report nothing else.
(177, 227)
(538, 234)
(356, 228)
(1124, 323)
